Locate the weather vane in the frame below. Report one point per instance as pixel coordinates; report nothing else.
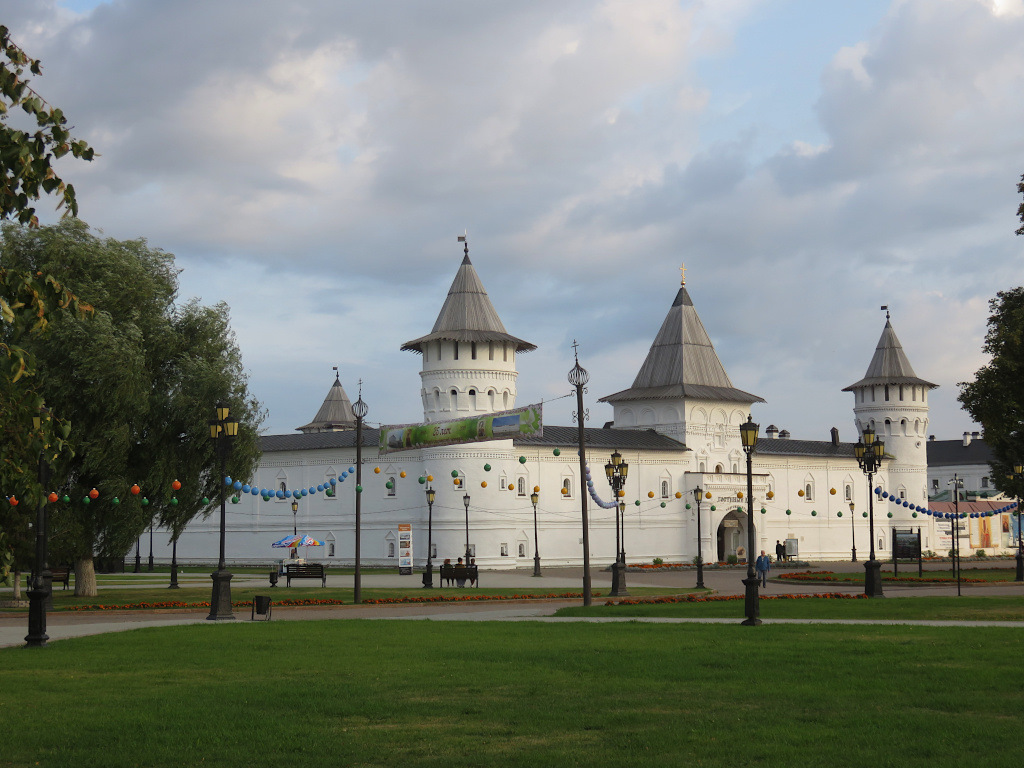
(682, 274)
(464, 238)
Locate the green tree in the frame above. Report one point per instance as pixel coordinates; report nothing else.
(26, 156)
(139, 381)
(995, 399)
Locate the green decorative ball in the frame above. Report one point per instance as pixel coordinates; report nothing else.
(174, 501)
(359, 489)
(145, 501)
(687, 506)
(713, 507)
(389, 485)
(663, 505)
(66, 499)
(557, 452)
(115, 500)
(814, 513)
(455, 473)
(764, 511)
(522, 459)
(889, 514)
(423, 481)
(487, 467)
(86, 499)
(234, 499)
(789, 511)
(839, 513)
(206, 499)
(863, 514)
(913, 514)
(637, 502)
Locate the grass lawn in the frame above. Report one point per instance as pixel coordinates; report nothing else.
(401, 693)
(909, 573)
(913, 608)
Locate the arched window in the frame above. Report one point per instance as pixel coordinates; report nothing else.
(490, 398)
(455, 354)
(490, 350)
(455, 399)
(664, 489)
(809, 491)
(472, 350)
(848, 492)
(391, 549)
(887, 393)
(521, 486)
(567, 487)
(394, 486)
(719, 469)
(472, 399)
(522, 549)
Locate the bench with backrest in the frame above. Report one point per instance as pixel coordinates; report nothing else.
(62, 575)
(306, 571)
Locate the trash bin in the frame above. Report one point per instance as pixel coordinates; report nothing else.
(260, 606)
(273, 578)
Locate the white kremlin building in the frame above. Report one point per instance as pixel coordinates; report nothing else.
(677, 427)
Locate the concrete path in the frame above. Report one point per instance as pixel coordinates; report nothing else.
(61, 625)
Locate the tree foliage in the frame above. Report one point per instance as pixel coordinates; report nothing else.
(995, 399)
(139, 382)
(26, 157)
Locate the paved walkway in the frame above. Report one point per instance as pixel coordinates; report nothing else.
(61, 625)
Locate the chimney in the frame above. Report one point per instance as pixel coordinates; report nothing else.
(931, 438)
(772, 432)
(976, 435)
(784, 434)
(835, 436)
(967, 439)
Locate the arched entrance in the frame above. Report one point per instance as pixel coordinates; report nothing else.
(732, 536)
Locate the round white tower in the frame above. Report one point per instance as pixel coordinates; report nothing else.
(469, 360)
(892, 399)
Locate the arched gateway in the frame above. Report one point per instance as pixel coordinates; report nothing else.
(732, 536)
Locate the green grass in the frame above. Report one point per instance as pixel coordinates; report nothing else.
(909, 572)
(910, 608)
(515, 694)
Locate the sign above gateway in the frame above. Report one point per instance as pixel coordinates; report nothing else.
(527, 420)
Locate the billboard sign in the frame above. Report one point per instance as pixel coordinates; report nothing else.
(527, 420)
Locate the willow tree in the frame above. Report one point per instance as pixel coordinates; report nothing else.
(138, 382)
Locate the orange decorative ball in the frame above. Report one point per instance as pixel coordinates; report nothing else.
(176, 485)
(52, 498)
(832, 491)
(135, 489)
(739, 494)
(650, 494)
(483, 483)
(94, 494)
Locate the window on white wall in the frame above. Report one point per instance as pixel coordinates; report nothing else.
(848, 492)
(522, 549)
(521, 486)
(567, 487)
(664, 489)
(808, 491)
(394, 485)
(504, 549)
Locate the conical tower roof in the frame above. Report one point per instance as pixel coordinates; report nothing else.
(468, 315)
(889, 365)
(682, 362)
(335, 414)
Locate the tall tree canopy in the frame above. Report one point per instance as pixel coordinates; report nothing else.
(995, 399)
(139, 382)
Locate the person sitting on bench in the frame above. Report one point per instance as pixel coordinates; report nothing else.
(460, 573)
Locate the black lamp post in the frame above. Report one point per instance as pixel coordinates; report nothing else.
(465, 501)
(428, 575)
(869, 453)
(174, 561)
(138, 555)
(748, 436)
(1018, 472)
(697, 494)
(359, 410)
(534, 498)
(150, 565)
(43, 579)
(957, 482)
(853, 535)
(578, 377)
(617, 470)
(223, 431)
(295, 527)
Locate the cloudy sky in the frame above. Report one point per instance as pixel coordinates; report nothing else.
(312, 163)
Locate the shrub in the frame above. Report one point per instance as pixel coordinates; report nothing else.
(732, 559)
(980, 553)
(697, 560)
(658, 561)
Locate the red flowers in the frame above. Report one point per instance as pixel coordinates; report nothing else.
(723, 598)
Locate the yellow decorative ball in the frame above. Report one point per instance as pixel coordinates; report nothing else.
(770, 494)
(483, 483)
(799, 493)
(679, 495)
(430, 478)
(511, 487)
(401, 474)
(621, 494)
(739, 494)
(536, 489)
(833, 491)
(376, 470)
(650, 494)
(707, 495)
(565, 491)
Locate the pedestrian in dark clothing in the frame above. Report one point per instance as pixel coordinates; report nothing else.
(780, 552)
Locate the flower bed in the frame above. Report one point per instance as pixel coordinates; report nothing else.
(473, 598)
(831, 576)
(724, 598)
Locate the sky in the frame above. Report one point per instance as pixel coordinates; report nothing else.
(313, 163)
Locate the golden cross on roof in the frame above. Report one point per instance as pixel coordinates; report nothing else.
(682, 274)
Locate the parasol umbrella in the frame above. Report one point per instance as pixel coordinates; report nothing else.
(288, 542)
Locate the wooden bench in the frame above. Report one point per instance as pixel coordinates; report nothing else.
(62, 575)
(472, 574)
(307, 571)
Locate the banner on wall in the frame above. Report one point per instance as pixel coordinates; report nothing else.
(518, 422)
(404, 549)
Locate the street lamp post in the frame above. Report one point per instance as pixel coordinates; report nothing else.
(428, 575)
(295, 527)
(578, 377)
(957, 482)
(359, 410)
(138, 555)
(1018, 473)
(869, 453)
(465, 501)
(150, 564)
(222, 431)
(748, 436)
(697, 493)
(534, 498)
(174, 561)
(617, 470)
(43, 579)
(853, 535)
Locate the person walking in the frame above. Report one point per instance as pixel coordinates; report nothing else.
(762, 565)
(780, 552)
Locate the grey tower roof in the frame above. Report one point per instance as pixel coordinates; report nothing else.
(889, 364)
(682, 363)
(468, 315)
(335, 414)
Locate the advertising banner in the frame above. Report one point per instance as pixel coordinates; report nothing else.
(527, 420)
(404, 549)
